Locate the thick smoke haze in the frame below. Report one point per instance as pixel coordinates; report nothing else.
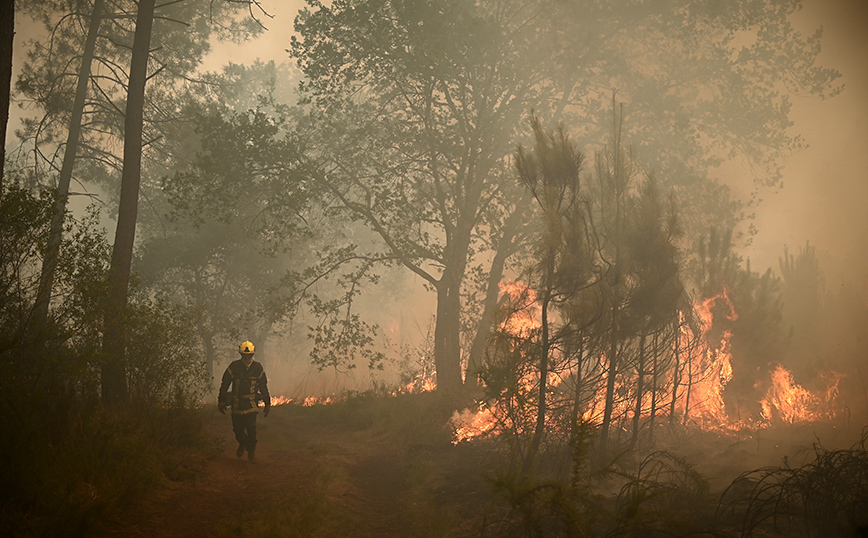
(472, 321)
(825, 186)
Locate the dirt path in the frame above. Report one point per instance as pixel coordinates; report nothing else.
(303, 470)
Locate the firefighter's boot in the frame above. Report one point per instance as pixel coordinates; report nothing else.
(240, 451)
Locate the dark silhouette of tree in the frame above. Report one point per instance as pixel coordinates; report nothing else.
(655, 301)
(114, 381)
(615, 176)
(802, 292)
(7, 34)
(117, 109)
(550, 172)
(49, 263)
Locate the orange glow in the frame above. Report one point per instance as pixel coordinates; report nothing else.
(789, 402)
(468, 424)
(714, 365)
(525, 316)
(417, 386)
(704, 370)
(280, 400)
(313, 400)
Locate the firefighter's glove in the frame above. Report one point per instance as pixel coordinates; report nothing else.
(222, 408)
(266, 410)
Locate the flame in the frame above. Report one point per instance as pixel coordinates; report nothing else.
(314, 400)
(715, 367)
(467, 424)
(705, 369)
(280, 400)
(416, 386)
(525, 314)
(790, 402)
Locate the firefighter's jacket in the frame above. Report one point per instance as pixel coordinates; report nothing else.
(249, 385)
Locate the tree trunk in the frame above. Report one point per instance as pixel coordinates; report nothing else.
(505, 249)
(114, 381)
(676, 373)
(619, 182)
(689, 384)
(655, 350)
(640, 390)
(610, 385)
(49, 262)
(577, 399)
(539, 430)
(447, 328)
(447, 349)
(7, 35)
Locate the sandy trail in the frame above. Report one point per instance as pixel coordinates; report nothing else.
(364, 483)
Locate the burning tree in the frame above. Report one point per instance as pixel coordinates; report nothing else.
(550, 172)
(606, 284)
(600, 329)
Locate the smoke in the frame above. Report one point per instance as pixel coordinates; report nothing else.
(824, 189)
(825, 185)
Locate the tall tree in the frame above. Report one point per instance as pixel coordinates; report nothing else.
(114, 383)
(49, 262)
(7, 35)
(615, 177)
(551, 174)
(416, 109)
(119, 109)
(654, 303)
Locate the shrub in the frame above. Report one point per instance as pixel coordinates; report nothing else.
(67, 462)
(825, 497)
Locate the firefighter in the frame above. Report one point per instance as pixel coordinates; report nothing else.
(249, 385)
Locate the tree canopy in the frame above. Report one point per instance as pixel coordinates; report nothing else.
(415, 108)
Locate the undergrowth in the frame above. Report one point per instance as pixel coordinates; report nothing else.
(662, 495)
(405, 419)
(65, 474)
(825, 497)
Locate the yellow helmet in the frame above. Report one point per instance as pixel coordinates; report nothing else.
(246, 348)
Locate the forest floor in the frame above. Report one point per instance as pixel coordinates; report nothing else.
(313, 478)
(319, 473)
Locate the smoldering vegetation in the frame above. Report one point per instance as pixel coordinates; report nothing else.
(500, 216)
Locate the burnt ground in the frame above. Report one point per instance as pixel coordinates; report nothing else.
(315, 478)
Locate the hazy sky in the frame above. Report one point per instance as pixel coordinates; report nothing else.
(825, 194)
